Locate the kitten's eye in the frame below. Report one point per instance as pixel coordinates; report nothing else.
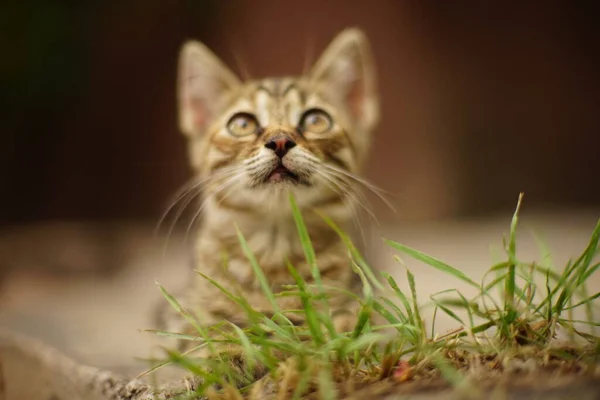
(242, 124)
(316, 121)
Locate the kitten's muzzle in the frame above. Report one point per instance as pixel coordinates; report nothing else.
(281, 173)
(280, 144)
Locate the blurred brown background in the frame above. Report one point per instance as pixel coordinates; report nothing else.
(480, 100)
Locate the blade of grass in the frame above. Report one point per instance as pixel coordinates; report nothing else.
(590, 252)
(461, 303)
(239, 300)
(385, 313)
(175, 304)
(582, 275)
(188, 317)
(185, 362)
(325, 379)
(346, 292)
(590, 271)
(433, 319)
(168, 362)
(417, 315)
(359, 259)
(431, 261)
(278, 329)
(258, 272)
(251, 353)
(450, 313)
(174, 335)
(311, 259)
(560, 282)
(468, 307)
(576, 321)
(364, 314)
(586, 301)
(401, 315)
(303, 382)
(364, 341)
(309, 251)
(573, 276)
(400, 294)
(510, 283)
(312, 319)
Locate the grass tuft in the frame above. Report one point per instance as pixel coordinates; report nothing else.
(390, 340)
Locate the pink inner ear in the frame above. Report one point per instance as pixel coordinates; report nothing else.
(355, 99)
(199, 113)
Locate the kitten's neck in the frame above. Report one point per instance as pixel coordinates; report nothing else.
(272, 234)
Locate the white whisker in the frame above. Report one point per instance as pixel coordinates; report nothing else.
(344, 194)
(376, 190)
(229, 182)
(187, 193)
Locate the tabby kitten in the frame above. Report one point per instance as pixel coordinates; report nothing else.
(251, 144)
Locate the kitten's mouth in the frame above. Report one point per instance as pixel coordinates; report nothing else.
(282, 174)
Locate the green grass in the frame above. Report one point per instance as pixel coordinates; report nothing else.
(534, 302)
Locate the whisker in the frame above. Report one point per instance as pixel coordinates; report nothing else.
(376, 190)
(230, 181)
(308, 55)
(350, 192)
(240, 62)
(316, 164)
(368, 184)
(193, 184)
(343, 192)
(176, 198)
(187, 193)
(346, 191)
(356, 178)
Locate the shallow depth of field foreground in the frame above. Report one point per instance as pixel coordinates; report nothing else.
(522, 317)
(100, 322)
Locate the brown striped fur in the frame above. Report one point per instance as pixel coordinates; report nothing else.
(234, 172)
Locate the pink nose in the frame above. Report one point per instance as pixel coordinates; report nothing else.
(280, 145)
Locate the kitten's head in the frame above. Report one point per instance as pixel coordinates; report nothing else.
(251, 140)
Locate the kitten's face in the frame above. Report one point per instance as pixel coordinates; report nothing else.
(253, 140)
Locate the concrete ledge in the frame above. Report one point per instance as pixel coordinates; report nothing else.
(32, 370)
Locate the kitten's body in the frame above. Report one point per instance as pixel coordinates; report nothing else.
(253, 143)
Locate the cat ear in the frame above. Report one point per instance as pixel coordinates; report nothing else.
(203, 84)
(346, 70)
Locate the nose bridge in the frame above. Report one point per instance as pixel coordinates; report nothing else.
(280, 133)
